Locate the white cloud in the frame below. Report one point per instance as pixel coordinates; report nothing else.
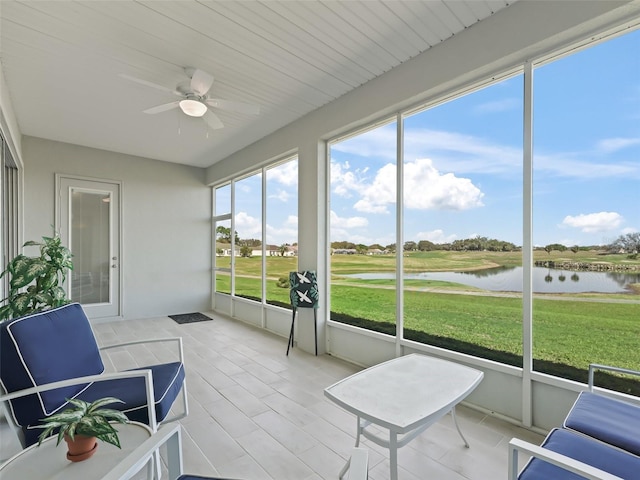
(594, 222)
(248, 226)
(424, 186)
(281, 195)
(286, 174)
(347, 222)
(379, 143)
(498, 106)
(292, 220)
(578, 165)
(345, 181)
(609, 145)
(462, 153)
(436, 236)
(466, 154)
(285, 234)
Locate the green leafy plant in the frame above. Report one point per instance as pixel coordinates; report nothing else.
(43, 277)
(88, 419)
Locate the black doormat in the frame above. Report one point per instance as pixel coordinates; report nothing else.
(190, 318)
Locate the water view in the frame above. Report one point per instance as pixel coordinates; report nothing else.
(545, 280)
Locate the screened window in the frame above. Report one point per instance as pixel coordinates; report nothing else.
(363, 229)
(586, 214)
(256, 230)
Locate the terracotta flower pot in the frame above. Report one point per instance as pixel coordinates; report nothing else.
(81, 447)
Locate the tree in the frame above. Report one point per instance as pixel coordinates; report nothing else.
(282, 249)
(245, 251)
(410, 246)
(223, 234)
(555, 246)
(251, 242)
(629, 243)
(361, 249)
(426, 246)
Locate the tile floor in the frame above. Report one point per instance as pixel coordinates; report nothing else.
(258, 414)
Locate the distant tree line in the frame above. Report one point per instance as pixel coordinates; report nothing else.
(476, 243)
(628, 243)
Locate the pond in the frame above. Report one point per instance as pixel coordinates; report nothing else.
(509, 279)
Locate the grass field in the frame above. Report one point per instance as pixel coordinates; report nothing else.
(569, 331)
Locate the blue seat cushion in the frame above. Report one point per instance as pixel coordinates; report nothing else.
(586, 450)
(168, 379)
(613, 421)
(45, 347)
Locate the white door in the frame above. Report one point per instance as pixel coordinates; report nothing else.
(89, 225)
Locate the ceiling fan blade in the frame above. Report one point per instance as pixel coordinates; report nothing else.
(233, 106)
(201, 82)
(150, 84)
(212, 120)
(162, 108)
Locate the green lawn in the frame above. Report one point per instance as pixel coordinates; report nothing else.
(569, 333)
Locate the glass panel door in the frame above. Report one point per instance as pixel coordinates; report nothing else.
(89, 226)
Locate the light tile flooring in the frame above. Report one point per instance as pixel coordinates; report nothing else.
(257, 414)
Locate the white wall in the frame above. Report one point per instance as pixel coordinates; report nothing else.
(166, 257)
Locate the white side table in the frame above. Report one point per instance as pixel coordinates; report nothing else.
(48, 462)
(405, 396)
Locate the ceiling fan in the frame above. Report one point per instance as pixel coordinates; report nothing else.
(195, 100)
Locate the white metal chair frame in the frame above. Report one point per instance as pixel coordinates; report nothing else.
(516, 445)
(147, 374)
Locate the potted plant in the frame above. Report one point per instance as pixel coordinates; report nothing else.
(82, 424)
(42, 276)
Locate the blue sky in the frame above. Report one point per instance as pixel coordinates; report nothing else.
(463, 160)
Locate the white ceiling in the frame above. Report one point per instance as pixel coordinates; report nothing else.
(62, 62)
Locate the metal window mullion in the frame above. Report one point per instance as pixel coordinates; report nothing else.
(399, 234)
(232, 264)
(527, 248)
(263, 276)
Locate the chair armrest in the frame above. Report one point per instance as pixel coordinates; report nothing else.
(148, 381)
(567, 463)
(171, 435)
(178, 340)
(595, 366)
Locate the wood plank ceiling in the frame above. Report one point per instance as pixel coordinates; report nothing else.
(62, 63)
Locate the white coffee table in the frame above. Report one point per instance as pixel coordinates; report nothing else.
(404, 395)
(48, 462)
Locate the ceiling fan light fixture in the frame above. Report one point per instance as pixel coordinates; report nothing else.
(193, 108)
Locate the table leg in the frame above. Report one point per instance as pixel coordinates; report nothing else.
(393, 455)
(455, 421)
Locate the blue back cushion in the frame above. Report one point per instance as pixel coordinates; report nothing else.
(45, 347)
(607, 419)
